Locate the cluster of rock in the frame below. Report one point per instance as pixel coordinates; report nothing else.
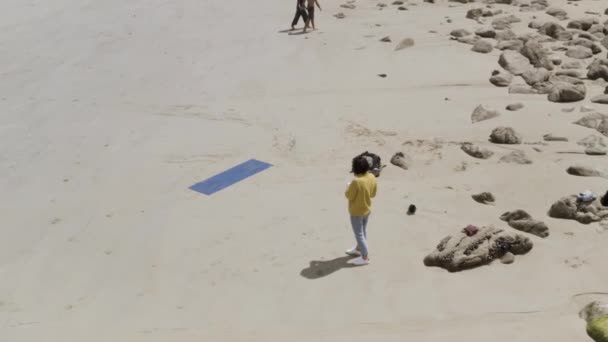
(461, 252)
(532, 56)
(570, 208)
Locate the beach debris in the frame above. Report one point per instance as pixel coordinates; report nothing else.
(411, 210)
(484, 198)
(515, 106)
(501, 79)
(461, 252)
(475, 151)
(515, 157)
(386, 39)
(505, 135)
(399, 159)
(404, 44)
(481, 114)
(382, 75)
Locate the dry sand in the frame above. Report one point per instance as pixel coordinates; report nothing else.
(110, 110)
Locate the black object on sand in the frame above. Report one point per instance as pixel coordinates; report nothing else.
(411, 210)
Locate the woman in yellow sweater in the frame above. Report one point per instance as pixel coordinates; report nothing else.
(359, 193)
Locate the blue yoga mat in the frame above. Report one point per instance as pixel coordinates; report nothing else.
(227, 178)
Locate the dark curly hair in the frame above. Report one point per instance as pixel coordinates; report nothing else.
(360, 165)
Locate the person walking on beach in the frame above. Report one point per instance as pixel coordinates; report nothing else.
(359, 193)
(311, 14)
(300, 12)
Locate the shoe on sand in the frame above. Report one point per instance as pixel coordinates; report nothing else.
(353, 252)
(360, 262)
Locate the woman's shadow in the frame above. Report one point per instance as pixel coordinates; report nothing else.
(322, 268)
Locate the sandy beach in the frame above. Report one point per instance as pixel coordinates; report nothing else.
(111, 110)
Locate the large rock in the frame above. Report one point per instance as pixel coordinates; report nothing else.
(475, 151)
(592, 141)
(516, 157)
(459, 33)
(557, 12)
(515, 45)
(551, 29)
(461, 252)
(564, 92)
(582, 24)
(485, 32)
(579, 52)
(598, 69)
(482, 46)
(586, 171)
(501, 79)
(592, 120)
(505, 135)
(537, 55)
(569, 208)
(536, 75)
(514, 62)
(595, 49)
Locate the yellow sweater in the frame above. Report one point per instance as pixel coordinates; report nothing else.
(360, 193)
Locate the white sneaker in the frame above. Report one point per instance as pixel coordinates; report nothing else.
(360, 262)
(353, 252)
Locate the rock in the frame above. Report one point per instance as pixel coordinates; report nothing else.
(584, 171)
(515, 45)
(400, 160)
(579, 52)
(557, 12)
(551, 29)
(556, 61)
(544, 87)
(475, 151)
(569, 208)
(340, 15)
(535, 24)
(537, 55)
(397, 2)
(482, 46)
(604, 42)
(474, 13)
(564, 92)
(514, 62)
(348, 6)
(593, 120)
(536, 75)
(386, 39)
(501, 79)
(468, 40)
(515, 106)
(505, 35)
(598, 69)
(504, 23)
(505, 135)
(462, 252)
(585, 109)
(592, 141)
(571, 73)
(595, 151)
(485, 33)
(516, 157)
(595, 49)
(572, 65)
(522, 89)
(582, 24)
(508, 258)
(531, 226)
(484, 198)
(403, 8)
(481, 114)
(602, 99)
(551, 137)
(460, 33)
(606, 90)
(404, 44)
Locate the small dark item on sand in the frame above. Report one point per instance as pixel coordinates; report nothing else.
(382, 75)
(470, 230)
(375, 163)
(411, 210)
(604, 199)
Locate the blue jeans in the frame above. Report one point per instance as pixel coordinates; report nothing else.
(359, 224)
